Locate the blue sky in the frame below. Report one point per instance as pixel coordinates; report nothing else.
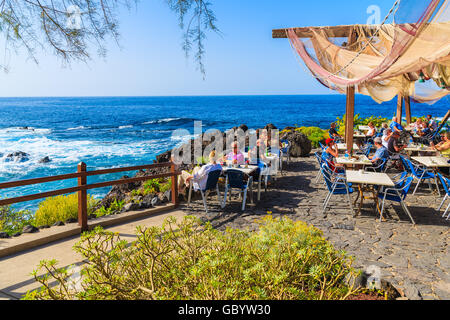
(150, 62)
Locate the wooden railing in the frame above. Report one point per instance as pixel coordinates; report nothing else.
(82, 186)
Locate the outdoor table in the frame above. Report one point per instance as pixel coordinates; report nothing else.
(368, 182)
(359, 135)
(364, 128)
(416, 148)
(352, 162)
(433, 163)
(343, 146)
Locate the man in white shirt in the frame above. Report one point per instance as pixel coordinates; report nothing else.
(200, 175)
(386, 136)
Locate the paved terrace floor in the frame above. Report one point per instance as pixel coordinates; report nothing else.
(415, 259)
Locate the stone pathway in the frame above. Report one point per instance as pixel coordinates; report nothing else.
(415, 259)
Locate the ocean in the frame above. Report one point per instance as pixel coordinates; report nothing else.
(106, 132)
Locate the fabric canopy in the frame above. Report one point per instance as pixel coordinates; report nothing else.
(386, 60)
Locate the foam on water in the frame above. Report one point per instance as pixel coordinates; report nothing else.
(62, 153)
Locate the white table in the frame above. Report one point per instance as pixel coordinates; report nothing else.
(362, 178)
(245, 169)
(361, 161)
(364, 128)
(343, 146)
(370, 178)
(418, 148)
(433, 162)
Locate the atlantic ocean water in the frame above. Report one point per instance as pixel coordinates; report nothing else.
(106, 132)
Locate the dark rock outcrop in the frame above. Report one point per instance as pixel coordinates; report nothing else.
(30, 229)
(18, 156)
(4, 235)
(45, 160)
(300, 144)
(58, 224)
(71, 220)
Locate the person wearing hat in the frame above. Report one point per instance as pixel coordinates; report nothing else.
(381, 154)
(330, 153)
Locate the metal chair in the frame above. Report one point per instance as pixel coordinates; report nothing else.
(380, 166)
(336, 185)
(422, 174)
(211, 185)
(446, 184)
(286, 151)
(397, 194)
(235, 180)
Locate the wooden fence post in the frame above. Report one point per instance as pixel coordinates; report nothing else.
(174, 185)
(82, 199)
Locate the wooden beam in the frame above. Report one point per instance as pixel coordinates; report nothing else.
(337, 31)
(399, 108)
(408, 110)
(349, 118)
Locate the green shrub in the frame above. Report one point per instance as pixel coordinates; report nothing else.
(284, 260)
(156, 185)
(115, 206)
(314, 134)
(60, 208)
(358, 121)
(12, 220)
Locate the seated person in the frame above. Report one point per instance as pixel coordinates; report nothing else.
(386, 136)
(235, 156)
(372, 131)
(333, 132)
(384, 126)
(418, 125)
(432, 124)
(444, 146)
(395, 126)
(199, 176)
(330, 153)
(425, 130)
(381, 154)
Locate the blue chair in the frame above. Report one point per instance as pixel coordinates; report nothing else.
(405, 165)
(263, 175)
(421, 174)
(446, 184)
(322, 146)
(211, 185)
(336, 185)
(286, 150)
(235, 180)
(397, 194)
(379, 167)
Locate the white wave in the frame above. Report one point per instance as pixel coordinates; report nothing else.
(162, 120)
(29, 131)
(63, 154)
(125, 127)
(78, 128)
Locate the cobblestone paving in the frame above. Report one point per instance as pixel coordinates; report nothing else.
(415, 259)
